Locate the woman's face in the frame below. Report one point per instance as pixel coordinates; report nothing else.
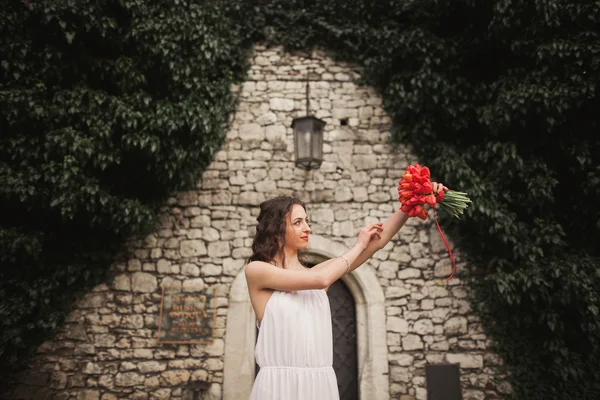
(297, 229)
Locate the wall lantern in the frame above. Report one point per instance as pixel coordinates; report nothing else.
(308, 138)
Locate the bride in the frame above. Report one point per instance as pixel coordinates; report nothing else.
(294, 349)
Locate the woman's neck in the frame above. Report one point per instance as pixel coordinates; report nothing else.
(291, 259)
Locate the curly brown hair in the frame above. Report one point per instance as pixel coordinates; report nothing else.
(270, 231)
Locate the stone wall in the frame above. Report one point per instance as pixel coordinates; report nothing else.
(108, 348)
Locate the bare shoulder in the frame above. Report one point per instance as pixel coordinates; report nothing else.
(254, 268)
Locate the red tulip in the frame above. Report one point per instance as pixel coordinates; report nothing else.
(408, 177)
(423, 214)
(414, 169)
(440, 196)
(413, 201)
(427, 188)
(425, 172)
(431, 200)
(420, 179)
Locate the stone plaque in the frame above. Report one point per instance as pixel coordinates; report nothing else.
(187, 315)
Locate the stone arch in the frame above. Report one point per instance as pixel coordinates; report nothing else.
(370, 320)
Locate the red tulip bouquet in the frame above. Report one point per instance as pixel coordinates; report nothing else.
(415, 191)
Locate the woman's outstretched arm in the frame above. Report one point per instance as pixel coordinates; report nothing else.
(391, 226)
(261, 275)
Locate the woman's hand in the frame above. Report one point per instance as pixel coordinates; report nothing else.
(368, 233)
(437, 188)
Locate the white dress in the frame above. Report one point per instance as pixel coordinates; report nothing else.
(294, 349)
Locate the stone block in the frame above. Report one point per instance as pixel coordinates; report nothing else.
(174, 378)
(345, 229)
(279, 104)
(455, 326)
(251, 198)
(465, 360)
(129, 379)
(219, 249)
(197, 283)
(364, 162)
(151, 366)
(423, 326)
(192, 248)
(412, 342)
(395, 292)
(267, 118)
(190, 269)
(88, 395)
(388, 269)
(343, 194)
(409, 273)
(232, 266)
(251, 131)
(143, 282)
(397, 324)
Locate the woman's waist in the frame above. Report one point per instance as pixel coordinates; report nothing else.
(316, 368)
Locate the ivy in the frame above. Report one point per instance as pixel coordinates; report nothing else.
(107, 107)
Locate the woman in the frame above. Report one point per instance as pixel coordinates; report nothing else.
(294, 349)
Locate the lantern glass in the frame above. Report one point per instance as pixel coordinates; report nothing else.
(303, 142)
(308, 142)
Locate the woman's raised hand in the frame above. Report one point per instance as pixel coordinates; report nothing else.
(368, 233)
(437, 187)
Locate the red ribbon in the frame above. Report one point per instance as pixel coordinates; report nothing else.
(447, 246)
